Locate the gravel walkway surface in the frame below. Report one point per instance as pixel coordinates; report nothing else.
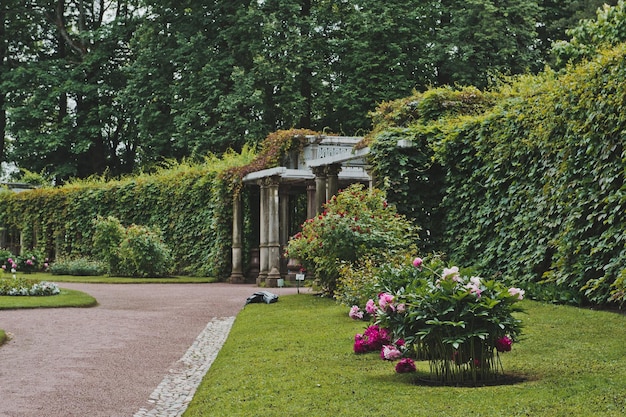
(140, 352)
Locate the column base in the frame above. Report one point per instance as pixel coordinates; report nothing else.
(272, 278)
(237, 279)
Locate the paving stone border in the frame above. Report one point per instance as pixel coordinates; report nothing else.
(173, 395)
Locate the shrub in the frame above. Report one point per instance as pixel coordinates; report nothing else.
(356, 224)
(7, 260)
(142, 253)
(459, 323)
(107, 237)
(79, 266)
(30, 261)
(136, 251)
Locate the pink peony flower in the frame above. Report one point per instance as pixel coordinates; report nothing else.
(370, 307)
(417, 262)
(516, 292)
(405, 365)
(400, 342)
(390, 353)
(355, 313)
(451, 273)
(401, 308)
(504, 344)
(385, 300)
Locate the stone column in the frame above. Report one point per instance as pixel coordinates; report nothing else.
(263, 238)
(283, 194)
(320, 188)
(273, 232)
(332, 178)
(236, 275)
(311, 200)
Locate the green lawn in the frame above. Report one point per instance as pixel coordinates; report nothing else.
(294, 358)
(67, 298)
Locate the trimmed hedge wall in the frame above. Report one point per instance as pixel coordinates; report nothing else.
(183, 202)
(532, 176)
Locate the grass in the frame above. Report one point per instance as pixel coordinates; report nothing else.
(295, 358)
(67, 298)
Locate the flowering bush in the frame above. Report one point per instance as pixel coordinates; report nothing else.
(26, 287)
(356, 224)
(28, 262)
(458, 323)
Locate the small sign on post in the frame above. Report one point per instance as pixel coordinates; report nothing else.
(299, 277)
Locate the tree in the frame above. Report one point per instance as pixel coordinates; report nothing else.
(608, 29)
(557, 16)
(472, 41)
(63, 111)
(112, 86)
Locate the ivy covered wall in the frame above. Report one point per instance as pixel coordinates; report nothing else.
(526, 182)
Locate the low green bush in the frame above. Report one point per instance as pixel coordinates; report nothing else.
(134, 251)
(142, 253)
(79, 267)
(108, 235)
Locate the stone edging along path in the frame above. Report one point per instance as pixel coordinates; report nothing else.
(140, 352)
(176, 391)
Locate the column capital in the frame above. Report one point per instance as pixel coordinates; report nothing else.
(319, 171)
(332, 169)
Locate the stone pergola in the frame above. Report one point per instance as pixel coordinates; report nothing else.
(325, 164)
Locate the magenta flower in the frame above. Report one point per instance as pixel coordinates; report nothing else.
(355, 313)
(370, 307)
(417, 262)
(504, 344)
(360, 346)
(390, 353)
(405, 365)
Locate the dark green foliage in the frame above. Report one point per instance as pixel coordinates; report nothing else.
(85, 92)
(534, 186)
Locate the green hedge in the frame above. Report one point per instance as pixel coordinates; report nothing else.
(190, 203)
(180, 201)
(532, 176)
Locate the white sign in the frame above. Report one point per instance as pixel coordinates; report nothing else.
(299, 277)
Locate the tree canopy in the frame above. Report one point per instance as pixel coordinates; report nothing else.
(113, 86)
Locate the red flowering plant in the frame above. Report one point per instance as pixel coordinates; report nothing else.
(356, 224)
(459, 324)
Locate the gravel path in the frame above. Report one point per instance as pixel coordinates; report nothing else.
(140, 352)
